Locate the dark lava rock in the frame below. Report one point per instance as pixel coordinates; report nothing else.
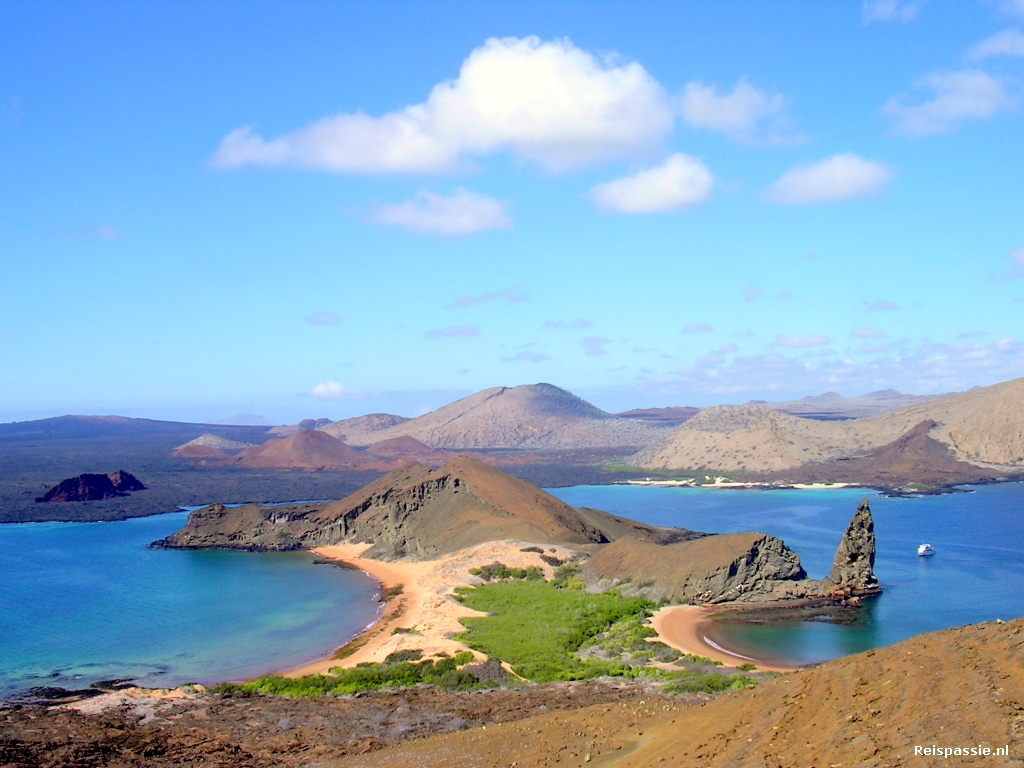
(90, 487)
(853, 568)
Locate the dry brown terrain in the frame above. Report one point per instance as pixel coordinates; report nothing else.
(538, 417)
(984, 425)
(719, 568)
(417, 512)
(914, 456)
(961, 687)
(303, 450)
(363, 430)
(135, 729)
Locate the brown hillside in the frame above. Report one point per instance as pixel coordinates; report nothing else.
(406, 447)
(750, 438)
(363, 430)
(985, 425)
(961, 687)
(726, 567)
(914, 456)
(537, 417)
(303, 450)
(417, 512)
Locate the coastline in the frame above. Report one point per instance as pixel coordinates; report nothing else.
(419, 610)
(685, 627)
(721, 483)
(424, 614)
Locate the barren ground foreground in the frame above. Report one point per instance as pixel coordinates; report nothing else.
(961, 687)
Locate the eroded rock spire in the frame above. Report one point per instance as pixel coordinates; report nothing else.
(853, 572)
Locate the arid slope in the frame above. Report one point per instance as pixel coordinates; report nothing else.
(303, 450)
(536, 417)
(960, 687)
(984, 425)
(420, 513)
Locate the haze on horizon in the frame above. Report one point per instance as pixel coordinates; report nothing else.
(327, 210)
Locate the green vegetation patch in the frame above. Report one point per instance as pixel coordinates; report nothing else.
(400, 670)
(539, 629)
(500, 571)
(696, 681)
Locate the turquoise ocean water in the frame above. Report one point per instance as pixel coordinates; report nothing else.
(86, 602)
(81, 602)
(976, 575)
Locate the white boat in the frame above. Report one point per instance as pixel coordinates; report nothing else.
(926, 550)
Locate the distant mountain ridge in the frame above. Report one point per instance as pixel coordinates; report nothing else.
(983, 426)
(535, 417)
(832, 406)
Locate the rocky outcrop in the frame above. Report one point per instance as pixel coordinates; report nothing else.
(853, 573)
(93, 487)
(737, 568)
(733, 567)
(417, 512)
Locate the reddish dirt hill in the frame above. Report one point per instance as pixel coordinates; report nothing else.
(303, 450)
(406, 447)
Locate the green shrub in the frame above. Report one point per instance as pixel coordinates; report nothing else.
(401, 670)
(566, 577)
(539, 629)
(500, 571)
(694, 681)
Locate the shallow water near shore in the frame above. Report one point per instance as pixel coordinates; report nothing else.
(977, 574)
(81, 602)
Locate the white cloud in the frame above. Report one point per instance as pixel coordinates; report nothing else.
(891, 10)
(511, 295)
(323, 318)
(798, 342)
(1015, 270)
(563, 325)
(882, 305)
(966, 95)
(746, 114)
(455, 215)
(1009, 42)
(868, 333)
(332, 390)
(698, 328)
(595, 345)
(679, 182)
(526, 357)
(1015, 7)
(840, 177)
(453, 332)
(549, 102)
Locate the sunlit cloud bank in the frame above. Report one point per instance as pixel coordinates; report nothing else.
(840, 177)
(455, 215)
(548, 102)
(681, 181)
(958, 96)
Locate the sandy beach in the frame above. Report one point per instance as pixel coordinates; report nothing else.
(425, 606)
(683, 627)
(425, 616)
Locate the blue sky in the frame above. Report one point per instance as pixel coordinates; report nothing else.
(326, 209)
